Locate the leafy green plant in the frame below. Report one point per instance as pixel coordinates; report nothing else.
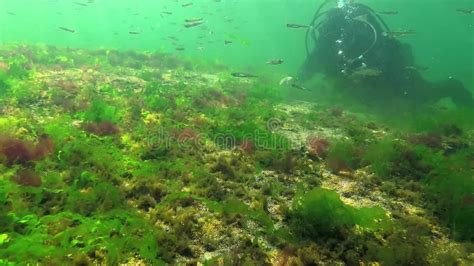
(415, 162)
(61, 130)
(23, 94)
(380, 156)
(5, 83)
(342, 155)
(157, 103)
(233, 207)
(17, 67)
(101, 111)
(451, 188)
(321, 213)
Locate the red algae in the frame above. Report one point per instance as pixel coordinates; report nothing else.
(15, 151)
(44, 147)
(185, 135)
(27, 177)
(247, 146)
(431, 140)
(105, 128)
(318, 146)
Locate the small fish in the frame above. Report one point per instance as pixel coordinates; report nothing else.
(180, 49)
(365, 72)
(275, 62)
(362, 18)
(399, 33)
(187, 4)
(243, 75)
(417, 68)
(193, 24)
(67, 29)
(11, 13)
(80, 4)
(296, 26)
(227, 42)
(286, 80)
(193, 20)
(133, 32)
(299, 87)
(388, 12)
(465, 10)
(172, 38)
(167, 13)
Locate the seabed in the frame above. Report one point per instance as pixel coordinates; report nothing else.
(128, 158)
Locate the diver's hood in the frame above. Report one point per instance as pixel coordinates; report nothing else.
(349, 33)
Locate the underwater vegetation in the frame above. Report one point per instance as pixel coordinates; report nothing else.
(114, 157)
(322, 214)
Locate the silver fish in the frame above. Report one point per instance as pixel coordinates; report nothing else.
(275, 62)
(243, 75)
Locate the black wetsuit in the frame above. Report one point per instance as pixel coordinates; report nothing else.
(353, 47)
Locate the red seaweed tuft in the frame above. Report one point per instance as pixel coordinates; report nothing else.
(27, 177)
(105, 128)
(44, 147)
(318, 146)
(247, 146)
(15, 151)
(432, 140)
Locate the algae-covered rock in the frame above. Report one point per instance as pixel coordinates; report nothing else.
(321, 213)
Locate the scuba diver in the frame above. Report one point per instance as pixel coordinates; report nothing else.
(355, 48)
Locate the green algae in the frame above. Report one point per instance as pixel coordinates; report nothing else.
(450, 187)
(101, 111)
(343, 155)
(171, 186)
(321, 213)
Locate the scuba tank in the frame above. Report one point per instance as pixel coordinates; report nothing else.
(349, 31)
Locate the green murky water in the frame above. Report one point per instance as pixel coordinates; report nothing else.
(257, 29)
(202, 132)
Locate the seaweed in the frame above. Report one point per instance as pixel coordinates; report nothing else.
(286, 163)
(5, 84)
(450, 188)
(100, 111)
(381, 157)
(112, 157)
(343, 156)
(27, 177)
(320, 213)
(104, 128)
(15, 151)
(318, 146)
